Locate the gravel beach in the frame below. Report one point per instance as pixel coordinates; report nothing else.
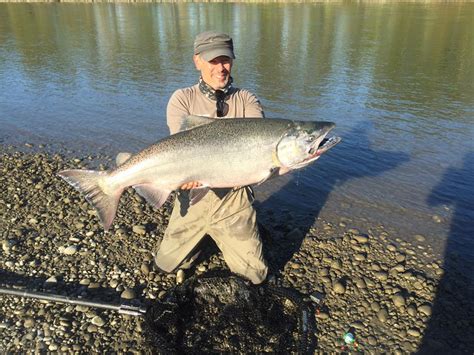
(384, 288)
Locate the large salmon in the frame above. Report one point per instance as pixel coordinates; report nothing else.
(217, 153)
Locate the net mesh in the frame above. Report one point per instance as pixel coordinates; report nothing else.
(228, 314)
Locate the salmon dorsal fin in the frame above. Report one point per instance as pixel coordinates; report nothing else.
(188, 122)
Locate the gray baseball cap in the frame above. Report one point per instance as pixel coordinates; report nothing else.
(212, 44)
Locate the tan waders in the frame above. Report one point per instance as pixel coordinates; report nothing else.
(230, 220)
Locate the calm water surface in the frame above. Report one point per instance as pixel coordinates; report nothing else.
(397, 79)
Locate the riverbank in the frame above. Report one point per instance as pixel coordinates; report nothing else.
(383, 287)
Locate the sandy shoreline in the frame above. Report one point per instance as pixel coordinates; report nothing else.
(386, 288)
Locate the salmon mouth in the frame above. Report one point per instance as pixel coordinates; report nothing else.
(324, 145)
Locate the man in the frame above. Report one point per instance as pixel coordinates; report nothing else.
(227, 215)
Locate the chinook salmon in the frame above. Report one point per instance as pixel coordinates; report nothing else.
(219, 153)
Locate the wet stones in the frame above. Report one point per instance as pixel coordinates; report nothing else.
(362, 273)
(69, 250)
(339, 287)
(382, 315)
(128, 294)
(425, 309)
(360, 283)
(419, 238)
(398, 300)
(139, 229)
(98, 321)
(180, 277)
(361, 238)
(381, 275)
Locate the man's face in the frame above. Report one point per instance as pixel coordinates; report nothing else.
(216, 72)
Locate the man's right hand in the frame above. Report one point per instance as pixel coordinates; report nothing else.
(191, 185)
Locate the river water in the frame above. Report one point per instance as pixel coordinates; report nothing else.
(396, 78)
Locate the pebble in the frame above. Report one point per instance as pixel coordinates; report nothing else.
(411, 310)
(361, 239)
(139, 229)
(419, 238)
(322, 315)
(92, 328)
(98, 321)
(381, 275)
(145, 269)
(413, 332)
(358, 325)
(70, 250)
(113, 283)
(391, 247)
(336, 264)
(360, 283)
(29, 322)
(354, 231)
(375, 267)
(339, 287)
(382, 315)
(85, 282)
(128, 294)
(295, 266)
(425, 309)
(375, 306)
(371, 340)
(399, 268)
(180, 276)
(6, 245)
(400, 258)
(51, 280)
(360, 257)
(398, 300)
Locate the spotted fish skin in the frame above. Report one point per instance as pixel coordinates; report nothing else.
(217, 153)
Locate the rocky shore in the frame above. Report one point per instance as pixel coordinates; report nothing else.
(373, 282)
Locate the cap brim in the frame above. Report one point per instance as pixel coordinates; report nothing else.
(214, 53)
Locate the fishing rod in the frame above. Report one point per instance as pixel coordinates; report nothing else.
(121, 308)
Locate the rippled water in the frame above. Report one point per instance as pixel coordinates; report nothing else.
(396, 78)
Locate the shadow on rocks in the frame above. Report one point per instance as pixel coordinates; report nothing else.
(11, 280)
(450, 328)
(287, 225)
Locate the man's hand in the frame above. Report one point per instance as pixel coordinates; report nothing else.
(191, 185)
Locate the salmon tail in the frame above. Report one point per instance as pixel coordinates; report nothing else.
(90, 183)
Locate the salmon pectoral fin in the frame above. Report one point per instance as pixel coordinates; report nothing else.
(154, 195)
(196, 195)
